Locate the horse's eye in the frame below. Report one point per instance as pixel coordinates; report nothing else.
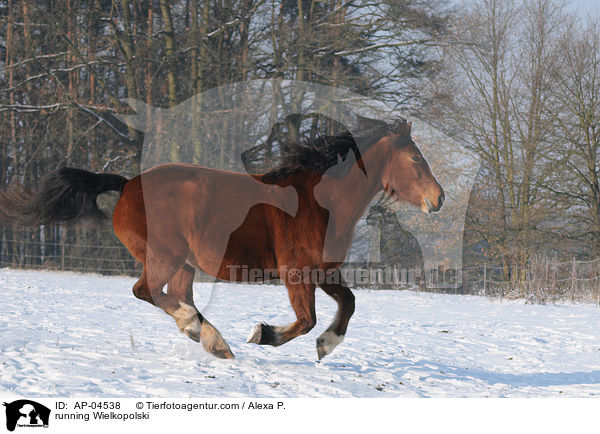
(416, 158)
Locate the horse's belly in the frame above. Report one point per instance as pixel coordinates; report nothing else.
(247, 247)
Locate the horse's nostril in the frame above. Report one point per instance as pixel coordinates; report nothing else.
(441, 199)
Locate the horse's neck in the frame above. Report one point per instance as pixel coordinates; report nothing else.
(352, 194)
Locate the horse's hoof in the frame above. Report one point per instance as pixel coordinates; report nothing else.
(255, 335)
(320, 352)
(264, 334)
(213, 342)
(327, 342)
(223, 354)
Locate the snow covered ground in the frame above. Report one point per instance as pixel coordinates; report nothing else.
(75, 335)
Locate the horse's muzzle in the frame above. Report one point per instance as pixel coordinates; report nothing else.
(428, 207)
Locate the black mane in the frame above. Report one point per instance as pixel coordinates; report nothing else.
(321, 153)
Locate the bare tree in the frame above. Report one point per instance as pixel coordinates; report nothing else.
(495, 92)
(576, 161)
(66, 66)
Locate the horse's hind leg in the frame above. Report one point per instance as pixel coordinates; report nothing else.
(302, 298)
(180, 287)
(164, 262)
(334, 335)
(149, 288)
(196, 327)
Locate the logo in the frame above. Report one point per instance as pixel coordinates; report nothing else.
(250, 114)
(26, 413)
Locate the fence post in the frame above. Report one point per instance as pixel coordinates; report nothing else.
(456, 280)
(573, 280)
(484, 278)
(557, 285)
(61, 234)
(598, 276)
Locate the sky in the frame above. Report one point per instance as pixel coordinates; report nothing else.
(584, 6)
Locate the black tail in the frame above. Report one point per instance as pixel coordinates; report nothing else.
(64, 196)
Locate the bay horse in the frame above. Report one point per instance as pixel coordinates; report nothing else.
(301, 215)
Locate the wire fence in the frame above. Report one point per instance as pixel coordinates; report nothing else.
(541, 280)
(110, 259)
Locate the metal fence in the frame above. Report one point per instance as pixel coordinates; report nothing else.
(34, 254)
(543, 279)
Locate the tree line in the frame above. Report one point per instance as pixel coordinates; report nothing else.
(521, 87)
(515, 81)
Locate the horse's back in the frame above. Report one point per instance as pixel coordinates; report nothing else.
(215, 217)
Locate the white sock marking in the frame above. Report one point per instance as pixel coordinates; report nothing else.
(329, 341)
(187, 320)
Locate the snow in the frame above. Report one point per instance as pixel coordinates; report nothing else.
(75, 335)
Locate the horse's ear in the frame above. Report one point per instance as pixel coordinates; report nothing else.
(403, 128)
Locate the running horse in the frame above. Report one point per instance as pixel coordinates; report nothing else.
(301, 215)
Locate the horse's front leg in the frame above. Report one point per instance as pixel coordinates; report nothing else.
(302, 298)
(334, 335)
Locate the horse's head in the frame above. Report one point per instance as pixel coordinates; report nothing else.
(406, 176)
